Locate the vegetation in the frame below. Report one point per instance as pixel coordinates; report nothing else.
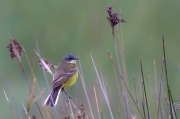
(127, 99)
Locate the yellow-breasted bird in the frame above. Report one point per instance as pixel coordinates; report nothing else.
(65, 75)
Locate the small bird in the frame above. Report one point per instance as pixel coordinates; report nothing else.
(65, 75)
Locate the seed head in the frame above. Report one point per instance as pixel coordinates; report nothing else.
(48, 63)
(15, 48)
(113, 18)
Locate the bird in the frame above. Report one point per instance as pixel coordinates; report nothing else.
(65, 75)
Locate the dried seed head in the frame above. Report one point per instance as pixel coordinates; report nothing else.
(109, 9)
(66, 117)
(15, 48)
(113, 18)
(81, 115)
(47, 63)
(81, 107)
(34, 117)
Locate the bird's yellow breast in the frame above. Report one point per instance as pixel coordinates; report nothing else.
(71, 81)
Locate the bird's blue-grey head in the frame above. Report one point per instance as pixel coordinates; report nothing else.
(70, 58)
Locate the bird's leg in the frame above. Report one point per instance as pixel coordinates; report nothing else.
(66, 93)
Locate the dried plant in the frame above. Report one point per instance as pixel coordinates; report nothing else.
(66, 117)
(140, 102)
(82, 115)
(48, 63)
(113, 18)
(15, 48)
(34, 117)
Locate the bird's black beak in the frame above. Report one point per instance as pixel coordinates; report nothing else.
(76, 58)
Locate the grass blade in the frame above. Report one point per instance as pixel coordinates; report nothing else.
(125, 85)
(85, 89)
(22, 69)
(34, 80)
(71, 109)
(14, 99)
(25, 111)
(14, 116)
(38, 51)
(100, 83)
(144, 89)
(167, 82)
(97, 103)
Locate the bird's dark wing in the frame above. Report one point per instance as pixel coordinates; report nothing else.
(62, 74)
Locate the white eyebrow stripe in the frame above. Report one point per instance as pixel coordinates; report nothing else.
(72, 61)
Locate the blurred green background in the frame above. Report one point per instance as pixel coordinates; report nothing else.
(80, 27)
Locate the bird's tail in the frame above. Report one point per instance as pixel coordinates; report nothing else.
(53, 97)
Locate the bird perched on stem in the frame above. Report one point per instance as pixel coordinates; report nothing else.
(66, 75)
